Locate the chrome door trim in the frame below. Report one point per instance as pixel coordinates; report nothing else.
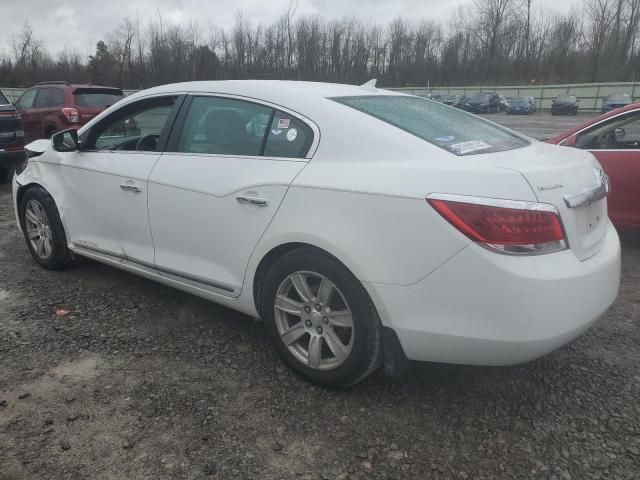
(123, 259)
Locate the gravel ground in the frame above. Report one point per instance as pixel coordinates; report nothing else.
(140, 381)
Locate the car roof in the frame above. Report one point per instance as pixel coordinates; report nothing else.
(282, 92)
(567, 133)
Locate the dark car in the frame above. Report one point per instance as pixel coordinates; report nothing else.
(457, 101)
(615, 100)
(53, 106)
(564, 105)
(483, 103)
(11, 138)
(521, 106)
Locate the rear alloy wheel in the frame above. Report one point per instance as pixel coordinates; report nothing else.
(43, 230)
(316, 326)
(321, 320)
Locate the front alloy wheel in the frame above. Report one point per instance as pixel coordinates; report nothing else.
(38, 229)
(314, 320)
(43, 229)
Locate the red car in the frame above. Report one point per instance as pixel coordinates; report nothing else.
(614, 139)
(53, 106)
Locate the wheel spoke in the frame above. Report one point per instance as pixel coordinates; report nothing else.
(324, 291)
(288, 305)
(315, 352)
(302, 287)
(336, 346)
(47, 247)
(293, 334)
(31, 216)
(33, 234)
(40, 246)
(341, 318)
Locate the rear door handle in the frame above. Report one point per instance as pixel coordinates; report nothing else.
(130, 187)
(261, 202)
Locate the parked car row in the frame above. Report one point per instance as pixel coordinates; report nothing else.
(44, 109)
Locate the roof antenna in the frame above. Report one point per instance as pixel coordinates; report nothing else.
(371, 84)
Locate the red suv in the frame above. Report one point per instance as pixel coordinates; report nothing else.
(53, 106)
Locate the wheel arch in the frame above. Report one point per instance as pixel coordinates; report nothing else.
(273, 255)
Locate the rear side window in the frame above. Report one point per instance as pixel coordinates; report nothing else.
(3, 99)
(97, 98)
(49, 97)
(448, 128)
(226, 126)
(288, 137)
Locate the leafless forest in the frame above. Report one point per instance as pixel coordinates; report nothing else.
(484, 42)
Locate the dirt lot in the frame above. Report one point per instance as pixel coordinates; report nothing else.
(539, 125)
(143, 382)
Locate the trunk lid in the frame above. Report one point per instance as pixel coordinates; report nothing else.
(556, 173)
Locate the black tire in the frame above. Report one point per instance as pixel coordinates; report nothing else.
(366, 352)
(60, 256)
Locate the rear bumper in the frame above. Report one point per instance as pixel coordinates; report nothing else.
(482, 308)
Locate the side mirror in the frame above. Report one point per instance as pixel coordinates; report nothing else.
(65, 141)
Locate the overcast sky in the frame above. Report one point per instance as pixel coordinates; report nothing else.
(79, 24)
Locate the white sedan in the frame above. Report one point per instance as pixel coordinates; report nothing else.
(364, 227)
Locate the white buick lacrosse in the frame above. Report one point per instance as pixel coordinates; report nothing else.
(365, 227)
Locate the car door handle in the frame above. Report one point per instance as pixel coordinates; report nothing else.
(261, 202)
(129, 187)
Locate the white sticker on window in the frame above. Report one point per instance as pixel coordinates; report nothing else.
(283, 123)
(292, 134)
(468, 147)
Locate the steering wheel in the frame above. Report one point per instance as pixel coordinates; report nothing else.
(147, 143)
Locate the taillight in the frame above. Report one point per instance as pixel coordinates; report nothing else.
(512, 227)
(71, 114)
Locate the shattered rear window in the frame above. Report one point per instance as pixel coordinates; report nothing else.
(450, 129)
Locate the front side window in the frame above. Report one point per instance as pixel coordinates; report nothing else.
(136, 127)
(26, 100)
(619, 133)
(447, 128)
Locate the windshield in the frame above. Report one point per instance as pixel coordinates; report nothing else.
(97, 98)
(3, 99)
(520, 101)
(479, 98)
(450, 98)
(566, 98)
(619, 98)
(448, 128)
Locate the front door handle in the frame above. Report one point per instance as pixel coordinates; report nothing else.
(130, 187)
(261, 202)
